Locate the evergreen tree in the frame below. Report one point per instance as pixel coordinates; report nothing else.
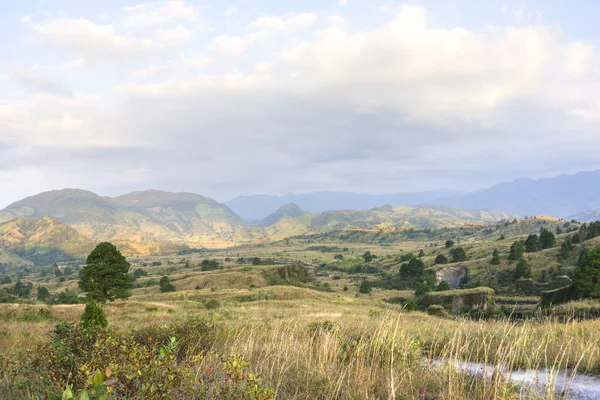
(421, 253)
(441, 259)
(458, 255)
(93, 316)
(21, 290)
(495, 257)
(523, 269)
(365, 287)
(566, 249)
(547, 239)
(532, 244)
(5, 280)
(368, 257)
(516, 251)
(449, 243)
(586, 277)
(43, 294)
(166, 285)
(104, 277)
(443, 286)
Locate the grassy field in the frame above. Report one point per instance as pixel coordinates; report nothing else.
(313, 338)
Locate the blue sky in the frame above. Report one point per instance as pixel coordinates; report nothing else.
(264, 96)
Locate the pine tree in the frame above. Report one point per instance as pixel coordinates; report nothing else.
(523, 269)
(516, 251)
(495, 257)
(532, 244)
(105, 278)
(93, 315)
(547, 239)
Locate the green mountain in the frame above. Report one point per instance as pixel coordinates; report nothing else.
(386, 217)
(43, 241)
(284, 212)
(144, 222)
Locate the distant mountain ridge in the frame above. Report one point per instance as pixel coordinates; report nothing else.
(257, 207)
(561, 196)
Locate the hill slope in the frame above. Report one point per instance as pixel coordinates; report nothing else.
(259, 206)
(43, 240)
(561, 196)
(152, 217)
(285, 212)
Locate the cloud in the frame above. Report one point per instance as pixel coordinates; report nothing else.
(231, 11)
(287, 22)
(159, 13)
(402, 105)
(33, 82)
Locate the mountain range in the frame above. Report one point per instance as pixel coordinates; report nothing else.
(64, 224)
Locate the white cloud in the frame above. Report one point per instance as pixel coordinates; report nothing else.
(287, 22)
(231, 11)
(343, 2)
(159, 13)
(229, 45)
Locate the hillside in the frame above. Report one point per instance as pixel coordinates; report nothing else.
(146, 222)
(260, 206)
(587, 216)
(561, 196)
(287, 211)
(387, 217)
(43, 240)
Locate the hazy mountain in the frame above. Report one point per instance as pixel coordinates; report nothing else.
(259, 206)
(43, 240)
(587, 216)
(285, 212)
(561, 196)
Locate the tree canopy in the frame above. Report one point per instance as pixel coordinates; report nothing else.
(532, 244)
(586, 277)
(104, 277)
(523, 269)
(441, 259)
(547, 239)
(516, 251)
(495, 257)
(458, 255)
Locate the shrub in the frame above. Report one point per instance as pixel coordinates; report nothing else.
(212, 304)
(441, 259)
(458, 255)
(437, 310)
(443, 286)
(365, 287)
(410, 305)
(165, 285)
(93, 315)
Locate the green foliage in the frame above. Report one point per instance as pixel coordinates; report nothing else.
(437, 310)
(212, 304)
(345, 289)
(138, 273)
(93, 315)
(495, 257)
(5, 280)
(104, 277)
(586, 277)
(368, 257)
(458, 255)
(168, 362)
(441, 259)
(532, 244)
(443, 286)
(365, 287)
(412, 271)
(293, 274)
(338, 257)
(410, 305)
(165, 285)
(256, 261)
(449, 243)
(66, 297)
(422, 288)
(407, 257)
(210, 265)
(517, 250)
(523, 269)
(6, 297)
(547, 239)
(566, 250)
(421, 253)
(43, 294)
(21, 290)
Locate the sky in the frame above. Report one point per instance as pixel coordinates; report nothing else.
(225, 98)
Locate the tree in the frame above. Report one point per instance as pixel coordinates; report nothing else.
(449, 243)
(368, 257)
(365, 287)
(532, 244)
(412, 270)
(566, 249)
(516, 251)
(443, 286)
(502, 237)
(576, 238)
(93, 316)
(421, 253)
(5, 280)
(523, 269)
(495, 257)
(138, 273)
(256, 261)
(166, 285)
(547, 239)
(458, 255)
(43, 294)
(210, 265)
(104, 277)
(441, 259)
(586, 276)
(559, 231)
(338, 257)
(21, 290)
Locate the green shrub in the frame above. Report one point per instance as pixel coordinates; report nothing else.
(93, 315)
(410, 305)
(212, 304)
(437, 311)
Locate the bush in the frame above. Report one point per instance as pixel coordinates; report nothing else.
(212, 304)
(410, 305)
(93, 316)
(437, 311)
(365, 287)
(443, 286)
(441, 259)
(166, 286)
